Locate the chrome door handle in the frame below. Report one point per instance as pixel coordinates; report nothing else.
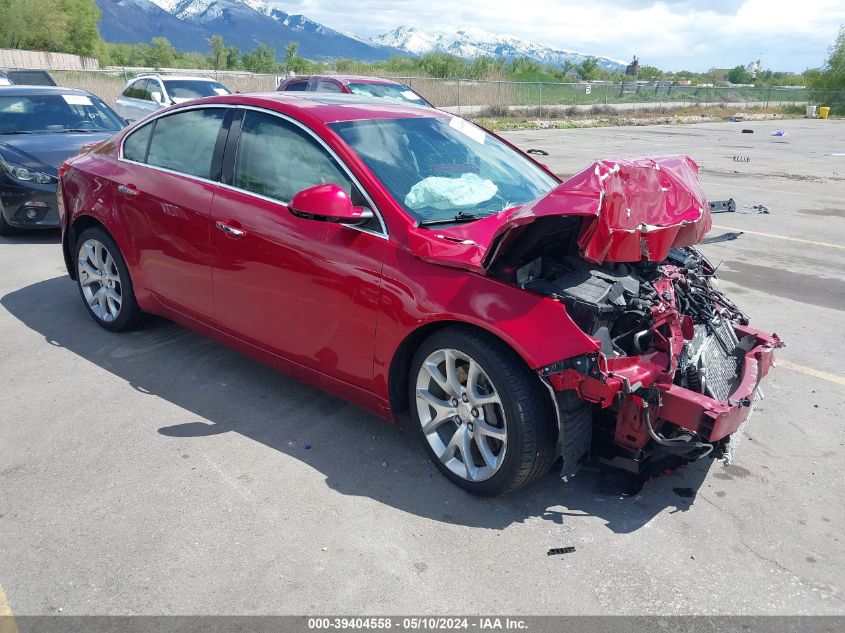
(229, 230)
(129, 191)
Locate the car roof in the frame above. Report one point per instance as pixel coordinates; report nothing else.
(346, 79)
(23, 91)
(330, 107)
(174, 77)
(364, 79)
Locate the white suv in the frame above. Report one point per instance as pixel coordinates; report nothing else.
(148, 93)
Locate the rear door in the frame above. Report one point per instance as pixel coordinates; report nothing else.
(304, 289)
(164, 192)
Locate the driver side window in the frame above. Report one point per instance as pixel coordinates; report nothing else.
(277, 159)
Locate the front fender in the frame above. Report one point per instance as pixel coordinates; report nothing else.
(416, 294)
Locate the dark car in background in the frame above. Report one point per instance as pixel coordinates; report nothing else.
(26, 77)
(354, 84)
(39, 128)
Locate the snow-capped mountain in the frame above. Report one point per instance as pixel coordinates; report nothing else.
(247, 23)
(472, 42)
(243, 23)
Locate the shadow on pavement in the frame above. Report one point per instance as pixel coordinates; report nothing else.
(41, 236)
(357, 453)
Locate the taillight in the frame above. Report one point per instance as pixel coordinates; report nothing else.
(63, 168)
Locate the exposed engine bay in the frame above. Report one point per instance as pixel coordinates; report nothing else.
(671, 343)
(624, 306)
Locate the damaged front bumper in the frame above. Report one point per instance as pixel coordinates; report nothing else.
(646, 414)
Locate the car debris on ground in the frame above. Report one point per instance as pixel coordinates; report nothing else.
(724, 237)
(555, 551)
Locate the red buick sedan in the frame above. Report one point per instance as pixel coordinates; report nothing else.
(410, 261)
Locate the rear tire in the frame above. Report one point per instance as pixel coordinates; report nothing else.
(104, 282)
(485, 419)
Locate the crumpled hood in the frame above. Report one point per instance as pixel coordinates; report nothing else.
(633, 210)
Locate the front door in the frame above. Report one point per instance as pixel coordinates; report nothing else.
(304, 289)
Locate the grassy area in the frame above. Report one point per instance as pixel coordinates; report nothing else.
(602, 116)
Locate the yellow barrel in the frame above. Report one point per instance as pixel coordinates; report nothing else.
(824, 111)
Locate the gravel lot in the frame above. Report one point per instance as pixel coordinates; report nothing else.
(160, 473)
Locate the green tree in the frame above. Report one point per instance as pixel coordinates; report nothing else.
(233, 56)
(161, 53)
(81, 35)
(218, 51)
(262, 59)
(293, 63)
(649, 73)
(739, 75)
(828, 82)
(291, 50)
(587, 68)
(33, 24)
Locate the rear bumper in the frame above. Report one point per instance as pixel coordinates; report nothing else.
(634, 383)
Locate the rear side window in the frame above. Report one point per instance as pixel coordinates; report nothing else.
(135, 145)
(325, 85)
(185, 141)
(277, 159)
(31, 77)
(297, 86)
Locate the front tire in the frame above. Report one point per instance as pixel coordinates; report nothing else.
(104, 283)
(484, 417)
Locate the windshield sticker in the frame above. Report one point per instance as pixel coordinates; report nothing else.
(468, 129)
(220, 91)
(410, 95)
(77, 100)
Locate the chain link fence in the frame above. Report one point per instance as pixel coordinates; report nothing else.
(498, 98)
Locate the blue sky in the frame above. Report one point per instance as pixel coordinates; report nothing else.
(671, 34)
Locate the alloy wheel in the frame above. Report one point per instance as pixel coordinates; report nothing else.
(99, 279)
(461, 414)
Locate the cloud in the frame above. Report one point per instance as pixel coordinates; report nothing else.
(671, 34)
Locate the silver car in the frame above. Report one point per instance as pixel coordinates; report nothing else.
(149, 93)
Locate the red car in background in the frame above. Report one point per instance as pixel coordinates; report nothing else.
(353, 84)
(409, 261)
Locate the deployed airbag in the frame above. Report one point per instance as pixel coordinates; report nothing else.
(443, 194)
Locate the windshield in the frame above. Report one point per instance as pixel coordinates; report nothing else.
(437, 168)
(56, 113)
(388, 91)
(194, 88)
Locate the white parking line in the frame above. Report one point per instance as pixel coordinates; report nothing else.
(773, 192)
(779, 237)
(839, 380)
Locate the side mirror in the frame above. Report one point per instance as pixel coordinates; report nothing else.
(157, 97)
(129, 121)
(328, 203)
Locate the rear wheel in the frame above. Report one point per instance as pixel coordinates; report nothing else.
(104, 282)
(484, 417)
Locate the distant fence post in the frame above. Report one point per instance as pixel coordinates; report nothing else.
(606, 88)
(459, 96)
(540, 84)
